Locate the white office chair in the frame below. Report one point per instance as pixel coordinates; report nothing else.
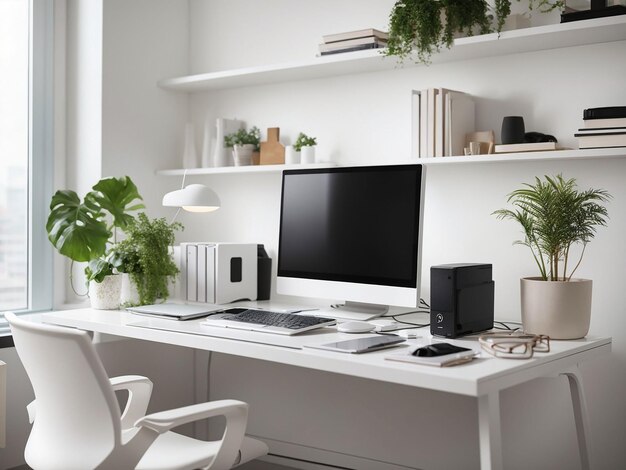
(78, 423)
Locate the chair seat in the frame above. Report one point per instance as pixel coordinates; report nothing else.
(173, 451)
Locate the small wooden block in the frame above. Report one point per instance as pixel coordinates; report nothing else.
(272, 151)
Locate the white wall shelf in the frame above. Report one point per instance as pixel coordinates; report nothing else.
(539, 38)
(241, 169)
(587, 154)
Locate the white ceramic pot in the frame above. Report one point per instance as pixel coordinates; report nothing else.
(561, 310)
(292, 157)
(128, 292)
(243, 154)
(307, 154)
(105, 295)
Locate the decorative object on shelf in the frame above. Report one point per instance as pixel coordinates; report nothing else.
(272, 151)
(424, 27)
(555, 217)
(486, 139)
(223, 155)
(87, 230)
(306, 146)
(353, 41)
(243, 143)
(145, 255)
(208, 147)
(593, 9)
(513, 130)
(292, 156)
(190, 156)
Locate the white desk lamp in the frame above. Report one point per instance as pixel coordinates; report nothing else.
(192, 198)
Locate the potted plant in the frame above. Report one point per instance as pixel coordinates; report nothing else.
(84, 231)
(425, 26)
(556, 218)
(306, 145)
(145, 257)
(243, 143)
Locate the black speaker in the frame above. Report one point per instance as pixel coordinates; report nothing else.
(461, 299)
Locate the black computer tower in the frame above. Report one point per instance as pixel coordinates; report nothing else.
(461, 299)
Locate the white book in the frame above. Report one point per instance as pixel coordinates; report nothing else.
(460, 117)
(210, 274)
(192, 273)
(415, 124)
(439, 121)
(604, 123)
(432, 93)
(201, 276)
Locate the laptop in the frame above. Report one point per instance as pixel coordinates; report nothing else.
(266, 321)
(174, 311)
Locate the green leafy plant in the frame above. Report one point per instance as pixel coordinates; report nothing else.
(145, 256)
(84, 230)
(425, 26)
(304, 140)
(555, 216)
(243, 137)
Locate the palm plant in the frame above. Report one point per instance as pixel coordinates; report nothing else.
(555, 216)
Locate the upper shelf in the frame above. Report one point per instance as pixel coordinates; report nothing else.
(539, 38)
(587, 154)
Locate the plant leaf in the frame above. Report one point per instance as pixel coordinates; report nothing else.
(115, 196)
(76, 229)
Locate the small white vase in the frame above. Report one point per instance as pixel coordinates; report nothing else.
(307, 154)
(561, 310)
(128, 292)
(105, 295)
(243, 154)
(292, 157)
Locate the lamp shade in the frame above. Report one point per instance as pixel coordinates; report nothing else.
(193, 198)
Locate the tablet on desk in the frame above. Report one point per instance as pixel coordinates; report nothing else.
(175, 311)
(360, 345)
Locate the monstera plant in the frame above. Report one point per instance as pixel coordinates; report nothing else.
(86, 230)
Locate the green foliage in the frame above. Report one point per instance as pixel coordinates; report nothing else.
(425, 26)
(242, 137)
(304, 140)
(554, 216)
(97, 269)
(145, 255)
(79, 230)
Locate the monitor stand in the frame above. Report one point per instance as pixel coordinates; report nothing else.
(358, 311)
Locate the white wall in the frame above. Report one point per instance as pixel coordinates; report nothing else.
(365, 118)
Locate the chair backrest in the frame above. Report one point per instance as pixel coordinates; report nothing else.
(77, 421)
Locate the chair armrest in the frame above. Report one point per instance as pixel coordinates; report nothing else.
(139, 392)
(235, 412)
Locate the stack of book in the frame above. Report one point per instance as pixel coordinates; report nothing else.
(604, 127)
(353, 41)
(440, 120)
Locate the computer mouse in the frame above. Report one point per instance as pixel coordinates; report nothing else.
(355, 327)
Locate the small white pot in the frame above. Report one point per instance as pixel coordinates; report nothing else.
(128, 292)
(292, 157)
(561, 310)
(105, 295)
(308, 154)
(243, 154)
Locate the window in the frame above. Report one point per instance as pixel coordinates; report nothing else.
(25, 154)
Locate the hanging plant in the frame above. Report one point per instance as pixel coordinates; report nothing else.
(423, 27)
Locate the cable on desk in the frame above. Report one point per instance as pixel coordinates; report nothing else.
(423, 302)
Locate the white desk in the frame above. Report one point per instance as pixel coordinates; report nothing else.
(482, 378)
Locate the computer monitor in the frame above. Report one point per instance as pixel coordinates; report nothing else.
(352, 233)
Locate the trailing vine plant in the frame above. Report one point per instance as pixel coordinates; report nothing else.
(423, 27)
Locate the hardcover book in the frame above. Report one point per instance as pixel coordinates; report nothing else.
(363, 33)
(527, 147)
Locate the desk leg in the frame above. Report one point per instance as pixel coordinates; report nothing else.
(489, 431)
(201, 364)
(580, 414)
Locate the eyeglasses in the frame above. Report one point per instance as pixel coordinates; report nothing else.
(514, 345)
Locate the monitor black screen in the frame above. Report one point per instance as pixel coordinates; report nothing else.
(356, 224)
